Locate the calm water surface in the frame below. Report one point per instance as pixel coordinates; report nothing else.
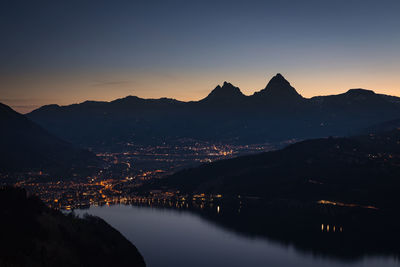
(169, 238)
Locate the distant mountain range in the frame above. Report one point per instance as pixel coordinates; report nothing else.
(26, 146)
(363, 169)
(275, 113)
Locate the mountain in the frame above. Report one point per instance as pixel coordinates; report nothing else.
(363, 170)
(25, 146)
(383, 127)
(276, 113)
(360, 99)
(34, 235)
(278, 90)
(227, 94)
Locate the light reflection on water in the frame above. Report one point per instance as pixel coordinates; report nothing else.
(334, 228)
(167, 237)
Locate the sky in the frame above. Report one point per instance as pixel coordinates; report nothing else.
(64, 52)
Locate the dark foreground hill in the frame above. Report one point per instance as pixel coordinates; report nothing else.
(276, 113)
(25, 146)
(34, 235)
(364, 170)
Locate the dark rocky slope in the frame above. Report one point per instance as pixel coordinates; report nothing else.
(34, 235)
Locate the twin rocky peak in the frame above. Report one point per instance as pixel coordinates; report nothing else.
(277, 93)
(278, 88)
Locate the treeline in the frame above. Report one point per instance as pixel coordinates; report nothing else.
(35, 235)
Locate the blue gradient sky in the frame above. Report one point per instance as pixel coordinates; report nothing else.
(69, 51)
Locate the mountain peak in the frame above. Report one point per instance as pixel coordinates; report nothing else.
(359, 92)
(278, 77)
(279, 87)
(226, 92)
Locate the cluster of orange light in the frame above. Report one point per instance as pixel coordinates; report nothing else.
(341, 204)
(333, 228)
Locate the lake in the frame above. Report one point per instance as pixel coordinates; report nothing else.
(168, 237)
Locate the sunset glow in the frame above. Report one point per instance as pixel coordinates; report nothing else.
(185, 50)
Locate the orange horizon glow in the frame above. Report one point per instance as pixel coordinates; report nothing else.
(28, 93)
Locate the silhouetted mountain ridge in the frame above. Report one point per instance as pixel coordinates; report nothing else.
(25, 146)
(275, 113)
(361, 169)
(279, 89)
(228, 93)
